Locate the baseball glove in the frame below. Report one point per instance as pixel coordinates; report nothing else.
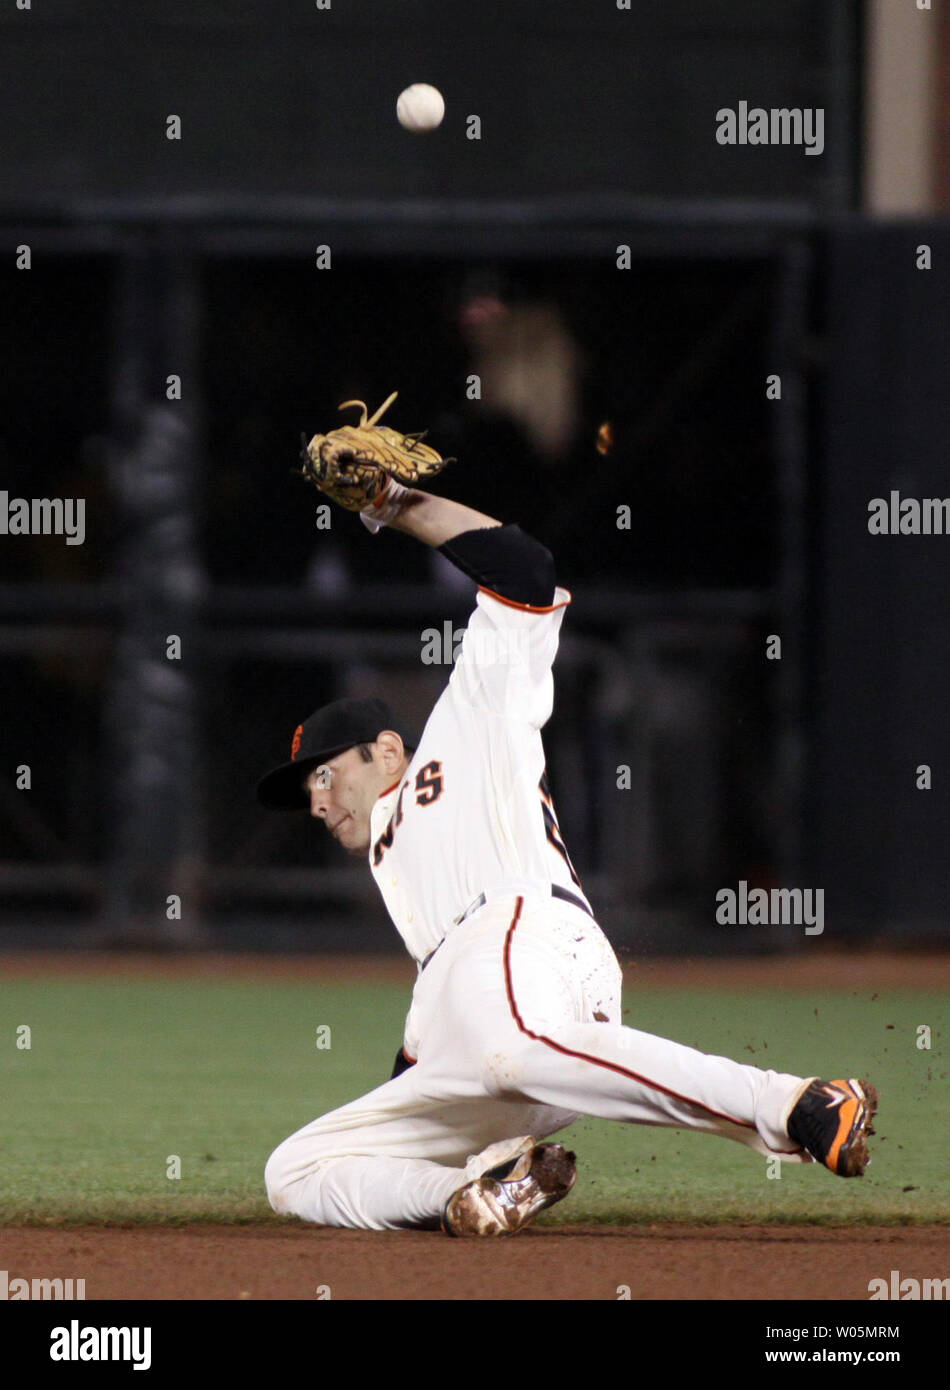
(353, 464)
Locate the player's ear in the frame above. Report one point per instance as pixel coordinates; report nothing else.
(390, 748)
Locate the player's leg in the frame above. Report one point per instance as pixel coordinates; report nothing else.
(525, 988)
(393, 1158)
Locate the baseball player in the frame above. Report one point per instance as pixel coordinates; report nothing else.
(514, 1029)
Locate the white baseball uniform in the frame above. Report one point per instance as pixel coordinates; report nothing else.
(515, 1017)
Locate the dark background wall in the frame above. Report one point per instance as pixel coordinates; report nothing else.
(575, 99)
(881, 681)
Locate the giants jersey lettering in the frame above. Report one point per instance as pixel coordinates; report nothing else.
(472, 813)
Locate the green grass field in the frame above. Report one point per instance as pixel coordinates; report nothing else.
(123, 1074)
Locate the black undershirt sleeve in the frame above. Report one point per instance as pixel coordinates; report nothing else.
(505, 560)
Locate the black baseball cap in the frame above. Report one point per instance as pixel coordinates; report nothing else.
(330, 730)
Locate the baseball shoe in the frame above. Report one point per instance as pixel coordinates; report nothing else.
(832, 1120)
(511, 1194)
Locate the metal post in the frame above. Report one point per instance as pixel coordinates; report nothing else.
(152, 893)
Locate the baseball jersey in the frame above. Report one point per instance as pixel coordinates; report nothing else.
(472, 813)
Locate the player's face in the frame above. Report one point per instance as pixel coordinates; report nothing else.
(342, 792)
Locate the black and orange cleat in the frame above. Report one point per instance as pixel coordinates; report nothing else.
(832, 1120)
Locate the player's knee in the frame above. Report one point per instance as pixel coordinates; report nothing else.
(295, 1183)
(278, 1182)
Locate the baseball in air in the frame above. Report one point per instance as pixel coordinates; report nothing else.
(420, 107)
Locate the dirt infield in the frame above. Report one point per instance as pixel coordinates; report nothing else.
(601, 1263)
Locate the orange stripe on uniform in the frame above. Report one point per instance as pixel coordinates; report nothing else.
(525, 607)
(585, 1056)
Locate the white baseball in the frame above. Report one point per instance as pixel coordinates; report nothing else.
(420, 107)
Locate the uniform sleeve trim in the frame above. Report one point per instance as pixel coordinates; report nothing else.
(525, 607)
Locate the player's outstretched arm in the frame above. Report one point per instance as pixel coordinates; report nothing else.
(435, 520)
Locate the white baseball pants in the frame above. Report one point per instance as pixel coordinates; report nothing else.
(515, 1025)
